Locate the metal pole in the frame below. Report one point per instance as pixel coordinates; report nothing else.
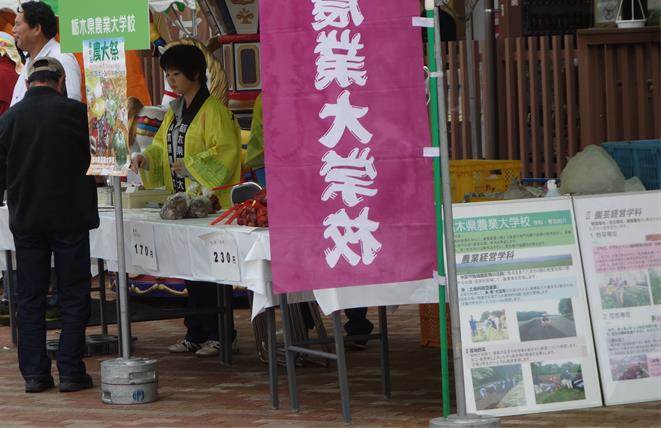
(121, 268)
(461, 419)
(290, 356)
(490, 65)
(450, 262)
(473, 111)
(219, 319)
(102, 296)
(435, 123)
(341, 367)
(385, 351)
(273, 362)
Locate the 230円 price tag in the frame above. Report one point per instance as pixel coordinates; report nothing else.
(224, 257)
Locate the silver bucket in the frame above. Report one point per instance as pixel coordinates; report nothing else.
(129, 381)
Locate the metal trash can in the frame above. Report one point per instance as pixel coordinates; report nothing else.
(129, 381)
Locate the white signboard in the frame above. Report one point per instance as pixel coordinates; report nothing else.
(620, 238)
(223, 256)
(143, 247)
(526, 337)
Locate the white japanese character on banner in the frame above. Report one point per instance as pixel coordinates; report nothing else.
(122, 23)
(98, 25)
(90, 25)
(349, 176)
(114, 28)
(75, 28)
(130, 21)
(345, 117)
(335, 13)
(345, 231)
(82, 27)
(106, 24)
(338, 60)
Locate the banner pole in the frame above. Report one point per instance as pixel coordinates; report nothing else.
(121, 271)
(438, 202)
(461, 418)
(450, 262)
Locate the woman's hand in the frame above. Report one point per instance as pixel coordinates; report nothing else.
(179, 168)
(138, 161)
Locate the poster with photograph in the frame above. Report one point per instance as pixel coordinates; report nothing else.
(525, 329)
(107, 114)
(620, 238)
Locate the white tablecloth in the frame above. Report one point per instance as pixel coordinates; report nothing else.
(181, 253)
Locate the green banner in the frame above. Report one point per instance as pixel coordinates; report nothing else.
(87, 20)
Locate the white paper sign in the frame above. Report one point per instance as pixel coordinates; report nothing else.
(526, 337)
(143, 246)
(620, 238)
(224, 257)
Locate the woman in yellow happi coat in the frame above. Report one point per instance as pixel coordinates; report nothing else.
(199, 139)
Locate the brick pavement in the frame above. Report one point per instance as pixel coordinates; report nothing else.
(196, 392)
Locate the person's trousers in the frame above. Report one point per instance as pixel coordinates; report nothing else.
(52, 299)
(72, 268)
(358, 323)
(202, 326)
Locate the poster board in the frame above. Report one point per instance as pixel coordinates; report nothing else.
(107, 113)
(526, 337)
(620, 238)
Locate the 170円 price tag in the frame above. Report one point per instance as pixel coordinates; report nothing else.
(143, 246)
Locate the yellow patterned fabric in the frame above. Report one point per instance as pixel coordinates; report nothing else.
(255, 156)
(212, 151)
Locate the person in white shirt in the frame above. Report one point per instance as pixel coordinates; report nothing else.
(34, 30)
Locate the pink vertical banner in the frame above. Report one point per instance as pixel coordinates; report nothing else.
(345, 123)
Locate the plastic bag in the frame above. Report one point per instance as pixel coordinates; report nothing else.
(175, 207)
(200, 207)
(590, 172)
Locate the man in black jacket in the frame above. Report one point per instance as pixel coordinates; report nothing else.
(44, 156)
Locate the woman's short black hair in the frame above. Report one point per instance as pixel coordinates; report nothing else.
(39, 13)
(188, 59)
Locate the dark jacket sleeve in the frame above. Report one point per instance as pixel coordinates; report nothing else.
(4, 147)
(83, 129)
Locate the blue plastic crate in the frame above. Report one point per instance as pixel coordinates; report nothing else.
(640, 159)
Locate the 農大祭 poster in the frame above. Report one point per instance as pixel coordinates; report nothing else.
(526, 338)
(106, 92)
(620, 238)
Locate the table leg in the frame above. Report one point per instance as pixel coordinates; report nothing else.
(102, 296)
(290, 355)
(385, 351)
(341, 366)
(229, 323)
(10, 297)
(221, 322)
(272, 358)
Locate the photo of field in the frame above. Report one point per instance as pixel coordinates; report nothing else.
(488, 326)
(624, 289)
(508, 265)
(557, 381)
(547, 319)
(498, 387)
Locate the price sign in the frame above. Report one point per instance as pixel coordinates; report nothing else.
(143, 247)
(224, 257)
